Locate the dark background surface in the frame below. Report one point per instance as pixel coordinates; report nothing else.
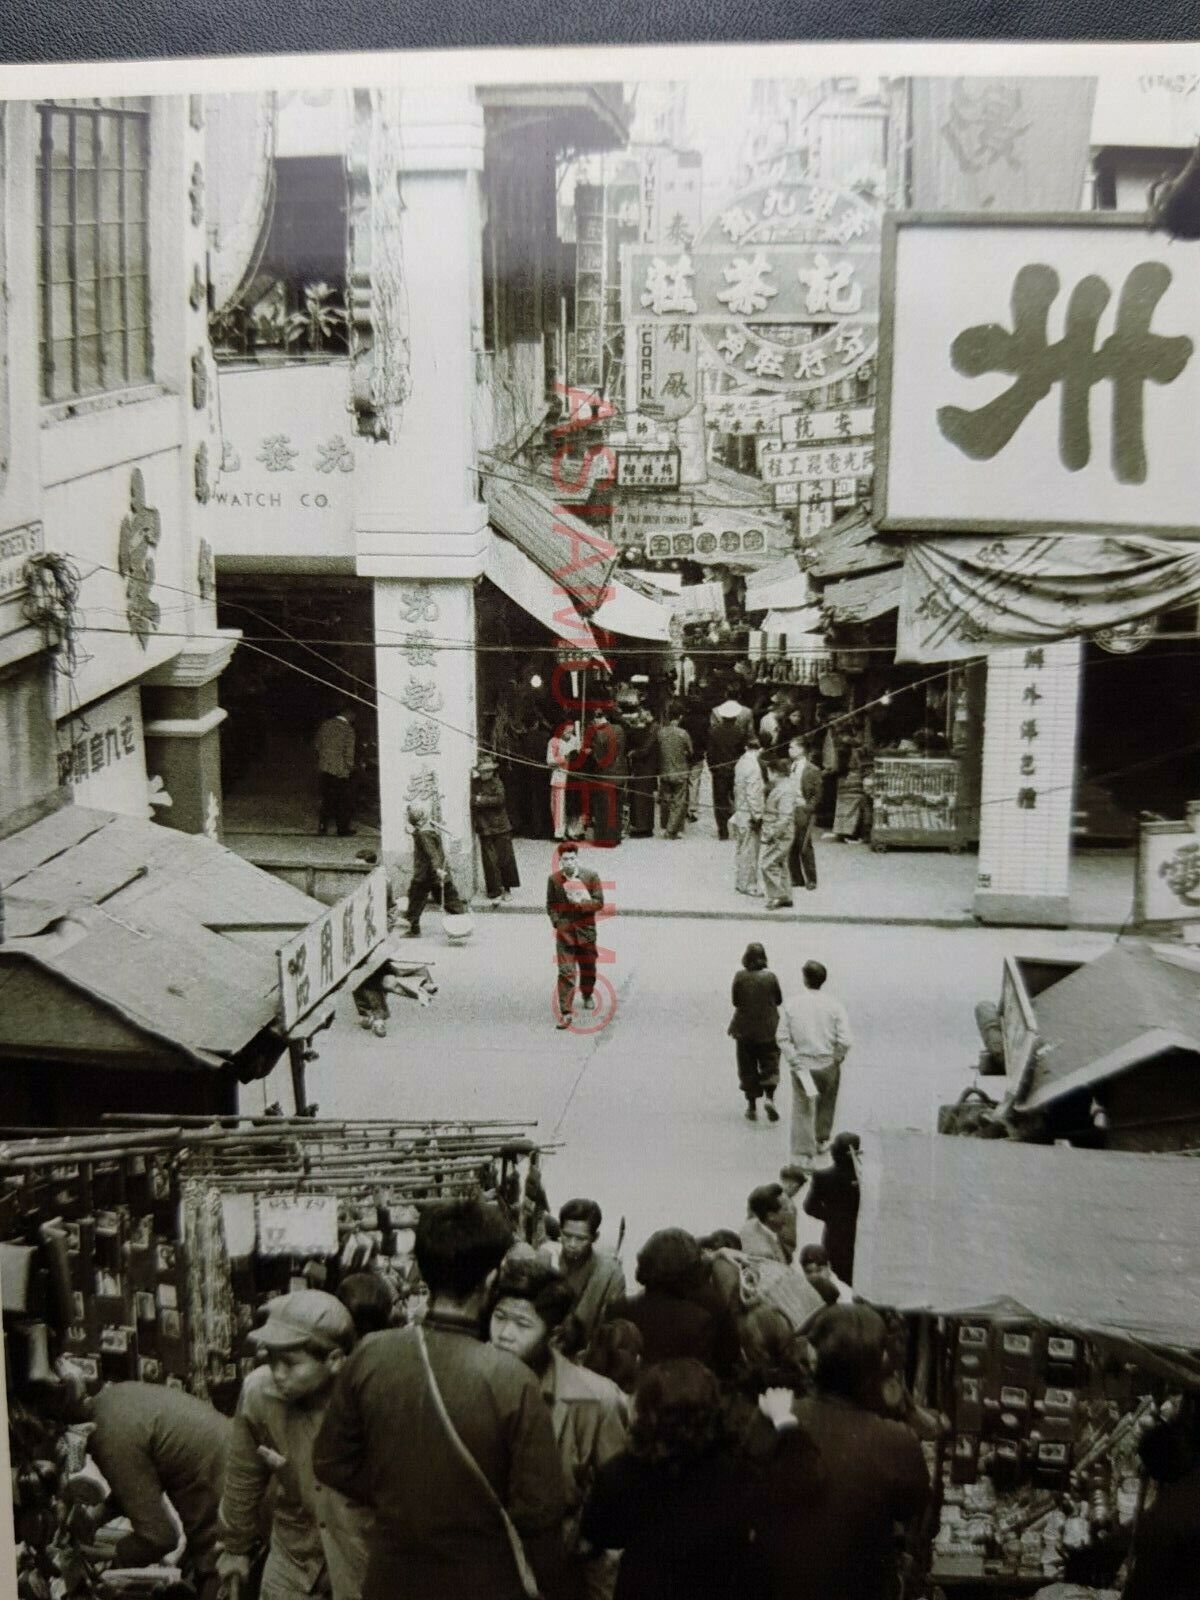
(59, 30)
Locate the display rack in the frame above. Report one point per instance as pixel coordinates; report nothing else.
(916, 804)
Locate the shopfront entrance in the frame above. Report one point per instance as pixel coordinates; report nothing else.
(309, 651)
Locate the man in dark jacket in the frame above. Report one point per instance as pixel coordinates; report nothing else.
(832, 1198)
(729, 728)
(643, 770)
(602, 785)
(431, 871)
(385, 1440)
(674, 758)
(574, 895)
(680, 1312)
(152, 1441)
(489, 812)
(842, 1479)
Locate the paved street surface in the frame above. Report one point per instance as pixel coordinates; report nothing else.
(647, 1108)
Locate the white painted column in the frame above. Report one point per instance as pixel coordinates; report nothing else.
(1027, 805)
(421, 533)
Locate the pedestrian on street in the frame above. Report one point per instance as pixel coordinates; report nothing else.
(778, 832)
(563, 746)
(489, 812)
(448, 1436)
(318, 1539)
(756, 1002)
(602, 785)
(814, 1036)
(431, 873)
(573, 897)
(335, 745)
(729, 728)
(695, 723)
(770, 729)
(680, 1311)
(766, 1218)
(155, 1445)
(594, 1277)
(832, 1199)
(749, 794)
(643, 771)
(807, 777)
(674, 760)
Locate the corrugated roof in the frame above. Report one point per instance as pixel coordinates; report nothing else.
(1125, 995)
(860, 599)
(1098, 1241)
(152, 923)
(852, 545)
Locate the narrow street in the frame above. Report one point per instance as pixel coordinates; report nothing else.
(647, 1110)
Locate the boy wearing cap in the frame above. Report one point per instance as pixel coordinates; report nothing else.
(318, 1538)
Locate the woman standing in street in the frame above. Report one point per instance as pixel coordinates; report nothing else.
(778, 833)
(489, 812)
(564, 743)
(756, 1001)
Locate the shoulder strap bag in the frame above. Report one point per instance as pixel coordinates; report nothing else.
(525, 1572)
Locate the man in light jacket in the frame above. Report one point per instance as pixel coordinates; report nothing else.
(749, 793)
(814, 1038)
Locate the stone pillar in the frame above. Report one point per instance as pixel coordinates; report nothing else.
(183, 749)
(1028, 793)
(425, 670)
(420, 532)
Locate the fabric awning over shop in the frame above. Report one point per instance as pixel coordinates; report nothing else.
(798, 623)
(861, 599)
(1093, 1240)
(571, 551)
(760, 584)
(963, 596)
(526, 584)
(160, 929)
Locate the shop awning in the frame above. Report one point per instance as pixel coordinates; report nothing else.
(852, 546)
(574, 553)
(963, 596)
(1097, 1241)
(163, 932)
(860, 599)
(759, 584)
(1127, 1006)
(525, 583)
(796, 622)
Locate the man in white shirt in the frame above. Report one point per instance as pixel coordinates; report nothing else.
(814, 1039)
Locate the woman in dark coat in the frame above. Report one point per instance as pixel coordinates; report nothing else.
(677, 1503)
(680, 1311)
(489, 811)
(642, 729)
(756, 1001)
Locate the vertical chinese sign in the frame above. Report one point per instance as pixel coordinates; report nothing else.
(1028, 793)
(421, 696)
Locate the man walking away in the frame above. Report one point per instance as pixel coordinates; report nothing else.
(431, 875)
(674, 759)
(334, 744)
(729, 728)
(573, 897)
(814, 1036)
(749, 795)
(444, 1435)
(808, 779)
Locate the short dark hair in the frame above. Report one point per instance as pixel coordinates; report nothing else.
(755, 959)
(721, 1239)
(850, 1342)
(616, 1352)
(528, 1277)
(678, 1412)
(582, 1211)
(793, 1174)
(814, 974)
(369, 1301)
(765, 1201)
(843, 1147)
(814, 1255)
(458, 1243)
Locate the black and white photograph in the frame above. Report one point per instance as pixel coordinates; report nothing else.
(430, 486)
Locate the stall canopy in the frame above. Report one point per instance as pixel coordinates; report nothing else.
(1098, 1241)
(526, 584)
(1127, 1006)
(572, 553)
(120, 932)
(965, 596)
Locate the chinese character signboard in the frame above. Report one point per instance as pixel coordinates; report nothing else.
(783, 465)
(297, 1225)
(817, 427)
(313, 963)
(1168, 870)
(664, 379)
(16, 547)
(647, 469)
(1038, 374)
(783, 286)
(633, 521)
(102, 756)
(746, 413)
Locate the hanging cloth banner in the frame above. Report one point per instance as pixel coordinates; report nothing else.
(963, 597)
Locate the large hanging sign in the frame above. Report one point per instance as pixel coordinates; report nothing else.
(783, 286)
(313, 963)
(780, 464)
(815, 427)
(664, 375)
(1168, 870)
(1038, 374)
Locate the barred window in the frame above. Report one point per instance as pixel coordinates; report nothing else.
(93, 246)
